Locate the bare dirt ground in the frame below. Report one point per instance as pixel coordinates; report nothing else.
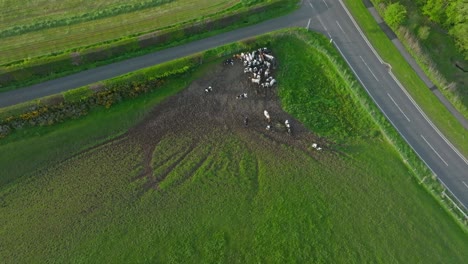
(199, 114)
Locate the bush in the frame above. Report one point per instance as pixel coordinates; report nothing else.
(76, 103)
(423, 32)
(395, 15)
(77, 95)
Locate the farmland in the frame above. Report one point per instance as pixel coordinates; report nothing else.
(182, 180)
(35, 28)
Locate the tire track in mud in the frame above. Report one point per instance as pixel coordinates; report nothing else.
(157, 179)
(202, 117)
(191, 172)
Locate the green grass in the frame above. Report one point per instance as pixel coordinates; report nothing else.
(336, 115)
(232, 199)
(19, 27)
(127, 47)
(441, 117)
(26, 11)
(44, 146)
(55, 39)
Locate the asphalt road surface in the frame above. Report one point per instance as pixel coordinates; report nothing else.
(332, 19)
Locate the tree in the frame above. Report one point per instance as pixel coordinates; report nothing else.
(435, 10)
(395, 15)
(457, 22)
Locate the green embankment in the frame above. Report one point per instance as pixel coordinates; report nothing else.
(230, 199)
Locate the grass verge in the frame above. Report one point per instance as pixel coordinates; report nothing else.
(441, 117)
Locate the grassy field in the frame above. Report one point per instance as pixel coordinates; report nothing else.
(72, 137)
(229, 199)
(60, 38)
(441, 117)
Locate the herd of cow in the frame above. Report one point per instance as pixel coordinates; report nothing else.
(258, 66)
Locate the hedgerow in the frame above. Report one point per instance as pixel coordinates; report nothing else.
(79, 102)
(32, 70)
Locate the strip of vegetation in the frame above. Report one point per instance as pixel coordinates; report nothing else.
(93, 15)
(78, 102)
(35, 70)
(439, 56)
(61, 39)
(441, 117)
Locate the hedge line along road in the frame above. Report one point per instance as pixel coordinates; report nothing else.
(331, 18)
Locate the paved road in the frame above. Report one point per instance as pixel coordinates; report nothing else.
(108, 71)
(443, 159)
(330, 18)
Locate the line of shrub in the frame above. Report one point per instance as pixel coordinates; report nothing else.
(413, 46)
(29, 71)
(78, 102)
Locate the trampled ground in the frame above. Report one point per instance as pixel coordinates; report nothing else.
(191, 183)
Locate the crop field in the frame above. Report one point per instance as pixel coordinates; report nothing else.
(188, 182)
(34, 28)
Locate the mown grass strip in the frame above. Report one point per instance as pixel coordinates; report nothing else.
(441, 117)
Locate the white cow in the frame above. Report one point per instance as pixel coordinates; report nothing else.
(269, 57)
(267, 116)
(257, 81)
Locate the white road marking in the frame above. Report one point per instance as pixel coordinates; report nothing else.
(391, 122)
(325, 3)
(369, 68)
(321, 23)
(398, 107)
(360, 32)
(465, 184)
(341, 28)
(311, 5)
(329, 35)
(308, 24)
(427, 119)
(401, 86)
(434, 150)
